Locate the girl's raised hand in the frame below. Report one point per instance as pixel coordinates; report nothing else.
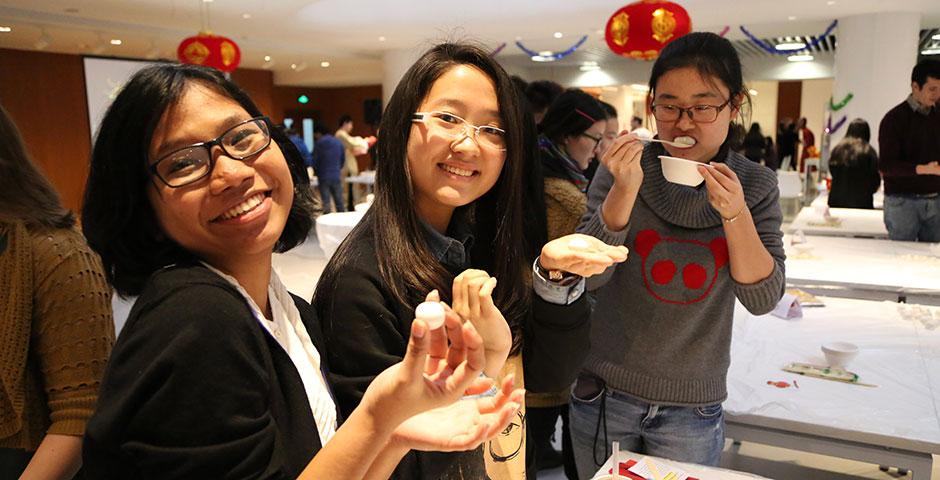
(581, 255)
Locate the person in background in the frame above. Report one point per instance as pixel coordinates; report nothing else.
(611, 130)
(57, 326)
(520, 84)
(353, 145)
(637, 128)
(806, 139)
(455, 210)
(655, 377)
(298, 140)
(755, 146)
(540, 94)
(909, 142)
(220, 372)
(328, 160)
(786, 143)
(736, 135)
(771, 159)
(853, 164)
(572, 135)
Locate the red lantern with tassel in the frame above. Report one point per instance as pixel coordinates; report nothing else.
(641, 29)
(210, 50)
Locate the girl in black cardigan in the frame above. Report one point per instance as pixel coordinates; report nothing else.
(218, 372)
(458, 197)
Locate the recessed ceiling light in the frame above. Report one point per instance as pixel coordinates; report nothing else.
(5, 29)
(518, 39)
(381, 39)
(246, 16)
(558, 35)
(800, 58)
(831, 2)
(589, 62)
(589, 68)
(324, 64)
(267, 58)
(116, 41)
(790, 46)
(791, 17)
(207, 1)
(752, 91)
(293, 66)
(930, 51)
(640, 87)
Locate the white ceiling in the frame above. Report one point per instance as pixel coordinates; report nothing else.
(346, 32)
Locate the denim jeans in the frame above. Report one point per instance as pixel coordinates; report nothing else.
(683, 434)
(334, 191)
(912, 219)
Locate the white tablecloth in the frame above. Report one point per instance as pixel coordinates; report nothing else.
(845, 222)
(898, 352)
(332, 228)
(907, 267)
(698, 471)
(878, 200)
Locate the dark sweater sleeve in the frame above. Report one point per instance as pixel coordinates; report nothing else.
(891, 159)
(871, 165)
(593, 224)
(364, 336)
(362, 333)
(185, 394)
(557, 340)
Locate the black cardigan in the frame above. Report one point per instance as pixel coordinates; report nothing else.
(196, 389)
(368, 330)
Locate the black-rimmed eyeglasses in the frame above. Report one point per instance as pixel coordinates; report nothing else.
(696, 113)
(189, 164)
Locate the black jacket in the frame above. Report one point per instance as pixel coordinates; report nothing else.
(195, 388)
(854, 168)
(368, 331)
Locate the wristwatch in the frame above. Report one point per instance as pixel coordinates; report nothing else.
(555, 286)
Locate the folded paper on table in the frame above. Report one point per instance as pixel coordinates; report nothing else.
(788, 308)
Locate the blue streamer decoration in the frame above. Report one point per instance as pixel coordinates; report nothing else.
(771, 50)
(830, 128)
(554, 56)
(498, 49)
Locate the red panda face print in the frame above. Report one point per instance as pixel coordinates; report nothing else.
(677, 270)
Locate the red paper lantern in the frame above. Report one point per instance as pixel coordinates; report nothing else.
(641, 29)
(210, 50)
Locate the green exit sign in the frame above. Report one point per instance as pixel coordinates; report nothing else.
(303, 99)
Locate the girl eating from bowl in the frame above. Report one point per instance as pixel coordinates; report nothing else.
(660, 341)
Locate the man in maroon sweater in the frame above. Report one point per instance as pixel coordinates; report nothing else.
(909, 140)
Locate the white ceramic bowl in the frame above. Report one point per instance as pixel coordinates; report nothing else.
(839, 354)
(681, 171)
(803, 248)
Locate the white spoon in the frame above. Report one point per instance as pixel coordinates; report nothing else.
(684, 144)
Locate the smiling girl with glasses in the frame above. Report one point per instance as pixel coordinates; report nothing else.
(454, 211)
(219, 371)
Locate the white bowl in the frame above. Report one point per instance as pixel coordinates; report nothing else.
(839, 354)
(803, 247)
(681, 171)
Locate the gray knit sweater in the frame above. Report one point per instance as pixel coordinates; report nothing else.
(661, 328)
